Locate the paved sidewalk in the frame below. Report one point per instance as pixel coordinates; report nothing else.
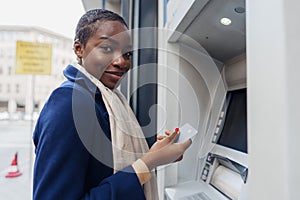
(15, 136)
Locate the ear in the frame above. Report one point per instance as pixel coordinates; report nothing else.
(78, 49)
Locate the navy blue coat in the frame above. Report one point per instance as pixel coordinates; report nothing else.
(73, 147)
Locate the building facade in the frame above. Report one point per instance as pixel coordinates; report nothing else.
(25, 94)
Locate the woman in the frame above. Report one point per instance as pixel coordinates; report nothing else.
(88, 142)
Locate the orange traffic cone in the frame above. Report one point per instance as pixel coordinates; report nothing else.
(14, 169)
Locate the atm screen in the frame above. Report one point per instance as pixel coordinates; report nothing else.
(234, 132)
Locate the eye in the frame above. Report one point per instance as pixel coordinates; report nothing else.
(106, 48)
(127, 55)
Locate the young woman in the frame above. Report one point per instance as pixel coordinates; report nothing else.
(88, 142)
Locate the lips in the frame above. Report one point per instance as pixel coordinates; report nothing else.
(119, 74)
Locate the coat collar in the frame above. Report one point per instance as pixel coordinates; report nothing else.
(74, 75)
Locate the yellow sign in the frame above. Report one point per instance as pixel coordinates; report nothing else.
(33, 58)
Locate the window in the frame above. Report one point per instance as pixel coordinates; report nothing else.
(9, 70)
(17, 88)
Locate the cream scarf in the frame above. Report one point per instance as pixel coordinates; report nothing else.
(128, 140)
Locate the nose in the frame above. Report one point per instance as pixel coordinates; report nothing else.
(121, 62)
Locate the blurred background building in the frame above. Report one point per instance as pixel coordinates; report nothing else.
(16, 89)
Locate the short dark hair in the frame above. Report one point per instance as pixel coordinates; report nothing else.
(86, 24)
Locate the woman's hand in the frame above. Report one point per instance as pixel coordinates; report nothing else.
(165, 151)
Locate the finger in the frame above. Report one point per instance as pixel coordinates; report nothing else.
(160, 137)
(179, 159)
(169, 139)
(186, 144)
(176, 136)
(173, 136)
(168, 132)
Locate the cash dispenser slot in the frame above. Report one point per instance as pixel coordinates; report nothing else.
(225, 175)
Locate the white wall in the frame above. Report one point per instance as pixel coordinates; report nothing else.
(273, 31)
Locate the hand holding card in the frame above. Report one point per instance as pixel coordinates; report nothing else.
(186, 132)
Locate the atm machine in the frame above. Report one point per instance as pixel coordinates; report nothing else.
(222, 160)
(202, 81)
(216, 165)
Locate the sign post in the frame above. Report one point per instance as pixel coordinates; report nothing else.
(36, 59)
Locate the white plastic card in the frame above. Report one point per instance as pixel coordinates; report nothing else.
(186, 132)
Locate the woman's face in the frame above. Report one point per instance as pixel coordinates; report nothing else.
(107, 53)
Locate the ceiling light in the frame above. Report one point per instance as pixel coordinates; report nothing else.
(225, 21)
